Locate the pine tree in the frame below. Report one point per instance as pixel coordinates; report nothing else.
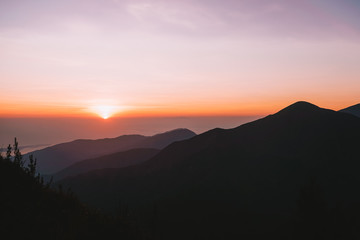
(8, 153)
(17, 155)
(32, 166)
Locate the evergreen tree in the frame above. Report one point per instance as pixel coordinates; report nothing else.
(8, 153)
(32, 166)
(18, 159)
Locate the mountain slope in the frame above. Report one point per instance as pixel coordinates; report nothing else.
(114, 160)
(292, 173)
(31, 210)
(57, 157)
(354, 110)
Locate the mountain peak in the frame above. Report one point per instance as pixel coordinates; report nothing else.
(177, 131)
(303, 105)
(300, 107)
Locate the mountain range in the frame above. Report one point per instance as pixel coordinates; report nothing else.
(56, 158)
(114, 160)
(290, 175)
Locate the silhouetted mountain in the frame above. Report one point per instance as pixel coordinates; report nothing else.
(354, 110)
(291, 175)
(57, 157)
(31, 210)
(114, 160)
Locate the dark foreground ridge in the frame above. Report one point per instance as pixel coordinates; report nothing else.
(30, 209)
(291, 175)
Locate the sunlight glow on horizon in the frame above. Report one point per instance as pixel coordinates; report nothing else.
(105, 111)
(176, 58)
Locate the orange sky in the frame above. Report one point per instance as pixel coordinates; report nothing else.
(189, 109)
(176, 58)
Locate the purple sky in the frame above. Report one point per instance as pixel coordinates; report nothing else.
(212, 57)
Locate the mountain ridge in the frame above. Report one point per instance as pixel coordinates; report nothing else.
(113, 160)
(232, 174)
(64, 154)
(354, 110)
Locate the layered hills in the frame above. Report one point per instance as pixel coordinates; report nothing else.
(55, 158)
(290, 175)
(114, 160)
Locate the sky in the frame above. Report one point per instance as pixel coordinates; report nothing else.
(136, 58)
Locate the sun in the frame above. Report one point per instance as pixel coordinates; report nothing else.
(105, 111)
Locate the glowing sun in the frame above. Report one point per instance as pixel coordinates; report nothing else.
(105, 111)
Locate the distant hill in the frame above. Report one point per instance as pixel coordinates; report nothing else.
(114, 160)
(291, 175)
(57, 157)
(354, 110)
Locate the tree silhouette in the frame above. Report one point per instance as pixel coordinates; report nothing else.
(32, 166)
(8, 153)
(18, 159)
